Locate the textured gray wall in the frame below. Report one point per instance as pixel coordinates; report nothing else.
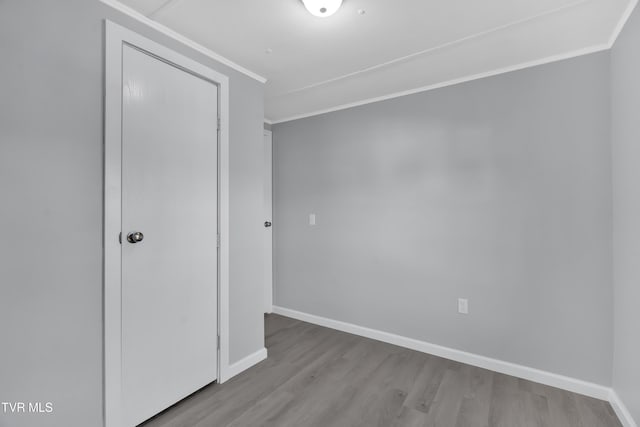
(625, 61)
(51, 118)
(497, 190)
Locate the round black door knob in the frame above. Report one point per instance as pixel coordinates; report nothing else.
(135, 237)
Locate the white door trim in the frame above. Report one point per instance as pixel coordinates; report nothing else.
(116, 36)
(268, 307)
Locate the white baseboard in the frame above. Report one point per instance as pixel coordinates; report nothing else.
(621, 410)
(243, 364)
(555, 380)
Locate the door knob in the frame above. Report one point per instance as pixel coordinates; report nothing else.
(267, 223)
(135, 237)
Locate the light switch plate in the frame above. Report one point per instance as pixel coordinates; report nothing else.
(312, 219)
(463, 306)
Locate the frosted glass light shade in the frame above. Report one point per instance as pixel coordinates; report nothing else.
(322, 8)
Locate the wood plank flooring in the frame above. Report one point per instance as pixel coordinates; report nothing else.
(318, 377)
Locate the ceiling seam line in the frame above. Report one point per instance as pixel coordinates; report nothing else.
(436, 48)
(164, 5)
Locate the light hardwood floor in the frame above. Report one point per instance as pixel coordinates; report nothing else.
(319, 377)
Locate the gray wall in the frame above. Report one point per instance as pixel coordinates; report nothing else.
(51, 169)
(625, 60)
(497, 190)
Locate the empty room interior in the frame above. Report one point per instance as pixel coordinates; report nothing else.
(320, 213)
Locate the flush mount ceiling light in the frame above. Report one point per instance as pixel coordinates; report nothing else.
(322, 8)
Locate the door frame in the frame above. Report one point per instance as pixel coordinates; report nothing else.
(116, 37)
(268, 303)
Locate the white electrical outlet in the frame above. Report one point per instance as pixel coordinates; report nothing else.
(312, 219)
(463, 306)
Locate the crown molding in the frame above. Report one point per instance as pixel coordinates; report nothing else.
(134, 14)
(623, 20)
(465, 79)
(568, 55)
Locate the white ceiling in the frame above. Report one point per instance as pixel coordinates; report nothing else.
(318, 64)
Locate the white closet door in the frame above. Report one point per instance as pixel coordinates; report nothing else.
(169, 194)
